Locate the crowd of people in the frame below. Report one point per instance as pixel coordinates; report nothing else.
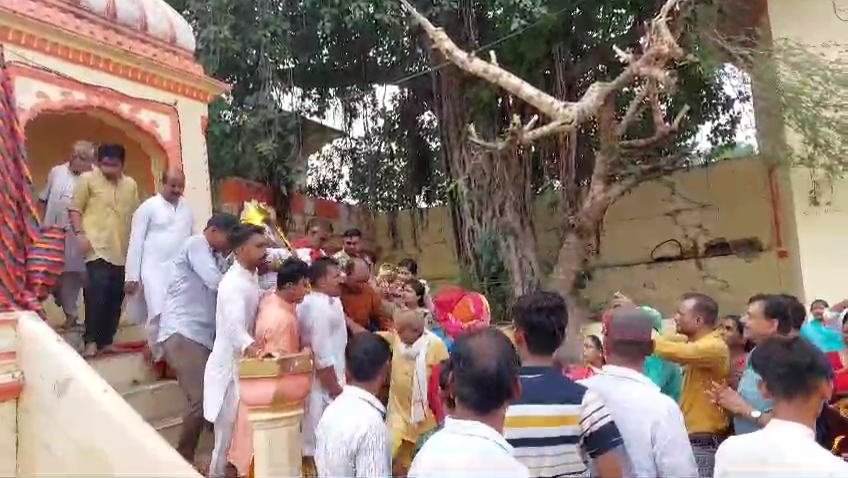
(412, 384)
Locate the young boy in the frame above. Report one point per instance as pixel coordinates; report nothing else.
(797, 377)
(415, 351)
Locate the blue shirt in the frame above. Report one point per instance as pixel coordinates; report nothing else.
(749, 392)
(822, 336)
(440, 333)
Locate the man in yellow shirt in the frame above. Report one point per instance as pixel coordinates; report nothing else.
(705, 360)
(101, 214)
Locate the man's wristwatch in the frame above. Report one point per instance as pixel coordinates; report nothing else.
(755, 416)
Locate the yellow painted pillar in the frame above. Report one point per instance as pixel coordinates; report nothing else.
(274, 391)
(277, 441)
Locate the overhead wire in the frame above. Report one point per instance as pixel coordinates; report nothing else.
(433, 69)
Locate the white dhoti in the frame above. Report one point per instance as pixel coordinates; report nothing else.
(224, 425)
(159, 230)
(316, 403)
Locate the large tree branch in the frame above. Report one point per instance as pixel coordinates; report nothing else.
(660, 47)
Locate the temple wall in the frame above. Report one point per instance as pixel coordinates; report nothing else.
(167, 128)
(821, 230)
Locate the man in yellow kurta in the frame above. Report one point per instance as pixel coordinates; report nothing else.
(415, 350)
(705, 360)
(101, 215)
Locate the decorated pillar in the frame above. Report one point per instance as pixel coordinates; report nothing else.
(274, 391)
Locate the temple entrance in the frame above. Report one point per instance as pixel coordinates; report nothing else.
(50, 136)
(49, 140)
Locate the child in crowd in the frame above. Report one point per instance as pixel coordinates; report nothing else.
(408, 269)
(415, 351)
(412, 296)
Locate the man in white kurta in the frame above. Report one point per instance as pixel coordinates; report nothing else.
(160, 227)
(235, 315)
(321, 321)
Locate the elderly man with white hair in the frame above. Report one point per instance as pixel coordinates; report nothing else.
(53, 203)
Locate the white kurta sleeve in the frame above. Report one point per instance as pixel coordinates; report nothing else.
(44, 195)
(322, 343)
(138, 233)
(233, 311)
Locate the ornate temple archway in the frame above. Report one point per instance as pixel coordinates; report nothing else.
(57, 111)
(51, 134)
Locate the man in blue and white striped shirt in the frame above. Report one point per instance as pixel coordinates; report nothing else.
(556, 424)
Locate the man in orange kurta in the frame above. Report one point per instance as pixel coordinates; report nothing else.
(363, 306)
(276, 334)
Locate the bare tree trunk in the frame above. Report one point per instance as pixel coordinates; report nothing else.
(504, 199)
(581, 241)
(494, 190)
(570, 263)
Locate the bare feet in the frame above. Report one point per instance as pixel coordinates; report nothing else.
(90, 350)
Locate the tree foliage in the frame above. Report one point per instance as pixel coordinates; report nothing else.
(410, 147)
(250, 135)
(336, 52)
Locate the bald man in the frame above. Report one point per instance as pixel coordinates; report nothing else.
(364, 308)
(160, 227)
(651, 424)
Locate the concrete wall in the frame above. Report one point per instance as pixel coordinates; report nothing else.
(732, 199)
(10, 389)
(821, 230)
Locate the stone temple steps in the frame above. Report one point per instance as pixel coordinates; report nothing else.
(160, 402)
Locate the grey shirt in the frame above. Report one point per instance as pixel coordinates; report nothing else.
(192, 291)
(57, 196)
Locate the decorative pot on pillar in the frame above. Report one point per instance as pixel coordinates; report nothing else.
(274, 391)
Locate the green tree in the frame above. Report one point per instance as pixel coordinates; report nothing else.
(419, 150)
(250, 135)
